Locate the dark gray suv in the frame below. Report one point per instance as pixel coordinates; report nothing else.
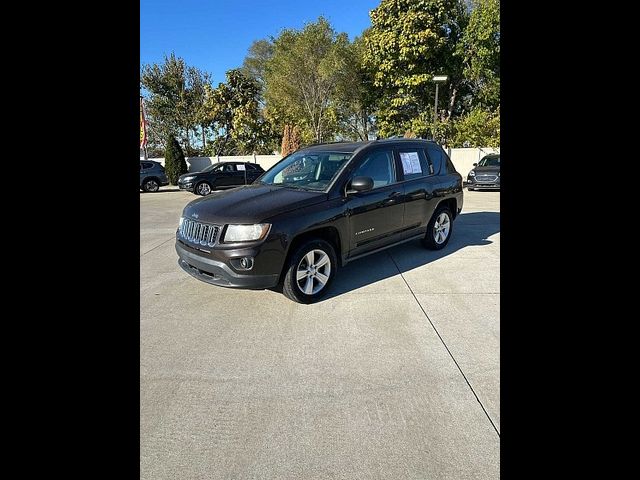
(317, 210)
(485, 174)
(152, 176)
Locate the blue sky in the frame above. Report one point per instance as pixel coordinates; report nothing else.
(214, 35)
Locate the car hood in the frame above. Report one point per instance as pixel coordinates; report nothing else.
(249, 204)
(485, 170)
(192, 174)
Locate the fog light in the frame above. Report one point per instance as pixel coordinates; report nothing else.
(246, 263)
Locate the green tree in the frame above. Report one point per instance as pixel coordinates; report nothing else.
(176, 92)
(255, 64)
(479, 49)
(478, 128)
(233, 112)
(354, 96)
(174, 162)
(302, 76)
(408, 43)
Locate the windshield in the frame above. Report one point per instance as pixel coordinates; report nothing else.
(490, 162)
(215, 166)
(307, 170)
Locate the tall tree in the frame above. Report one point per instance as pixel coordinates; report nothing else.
(176, 94)
(408, 43)
(354, 96)
(255, 63)
(302, 76)
(254, 67)
(233, 112)
(480, 50)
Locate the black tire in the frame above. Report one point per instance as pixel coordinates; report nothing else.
(151, 185)
(201, 188)
(429, 239)
(291, 288)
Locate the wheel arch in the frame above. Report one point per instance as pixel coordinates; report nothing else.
(329, 234)
(451, 203)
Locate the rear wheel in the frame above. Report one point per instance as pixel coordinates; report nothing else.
(311, 269)
(439, 229)
(203, 188)
(151, 185)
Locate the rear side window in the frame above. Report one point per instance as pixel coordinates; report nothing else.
(436, 155)
(414, 163)
(250, 166)
(450, 166)
(146, 165)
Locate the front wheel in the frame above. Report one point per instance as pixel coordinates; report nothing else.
(311, 269)
(203, 188)
(439, 229)
(151, 185)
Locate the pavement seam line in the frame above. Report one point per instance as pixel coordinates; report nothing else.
(445, 345)
(159, 245)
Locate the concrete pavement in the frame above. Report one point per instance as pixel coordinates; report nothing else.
(394, 375)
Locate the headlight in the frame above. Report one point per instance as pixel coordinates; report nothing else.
(472, 173)
(498, 173)
(246, 233)
(187, 179)
(180, 222)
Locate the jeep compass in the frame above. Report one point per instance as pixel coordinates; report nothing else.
(317, 210)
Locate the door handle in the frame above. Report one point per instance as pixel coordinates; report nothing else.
(391, 198)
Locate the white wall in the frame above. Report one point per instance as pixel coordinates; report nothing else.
(462, 158)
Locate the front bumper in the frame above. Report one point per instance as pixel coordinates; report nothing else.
(488, 186)
(471, 183)
(186, 186)
(218, 272)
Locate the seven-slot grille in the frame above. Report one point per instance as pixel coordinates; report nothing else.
(199, 233)
(486, 178)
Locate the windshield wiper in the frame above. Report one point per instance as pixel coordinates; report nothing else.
(300, 187)
(270, 184)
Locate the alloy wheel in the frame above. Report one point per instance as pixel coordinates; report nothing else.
(313, 272)
(441, 228)
(152, 186)
(204, 189)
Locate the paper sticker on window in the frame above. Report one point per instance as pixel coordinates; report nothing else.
(240, 167)
(410, 162)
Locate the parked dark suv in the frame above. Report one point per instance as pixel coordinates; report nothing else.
(220, 175)
(152, 176)
(318, 209)
(486, 173)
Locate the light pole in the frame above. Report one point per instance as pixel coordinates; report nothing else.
(437, 79)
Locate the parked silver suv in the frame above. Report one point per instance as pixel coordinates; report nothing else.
(152, 176)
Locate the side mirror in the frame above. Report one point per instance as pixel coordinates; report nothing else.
(360, 184)
(475, 164)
